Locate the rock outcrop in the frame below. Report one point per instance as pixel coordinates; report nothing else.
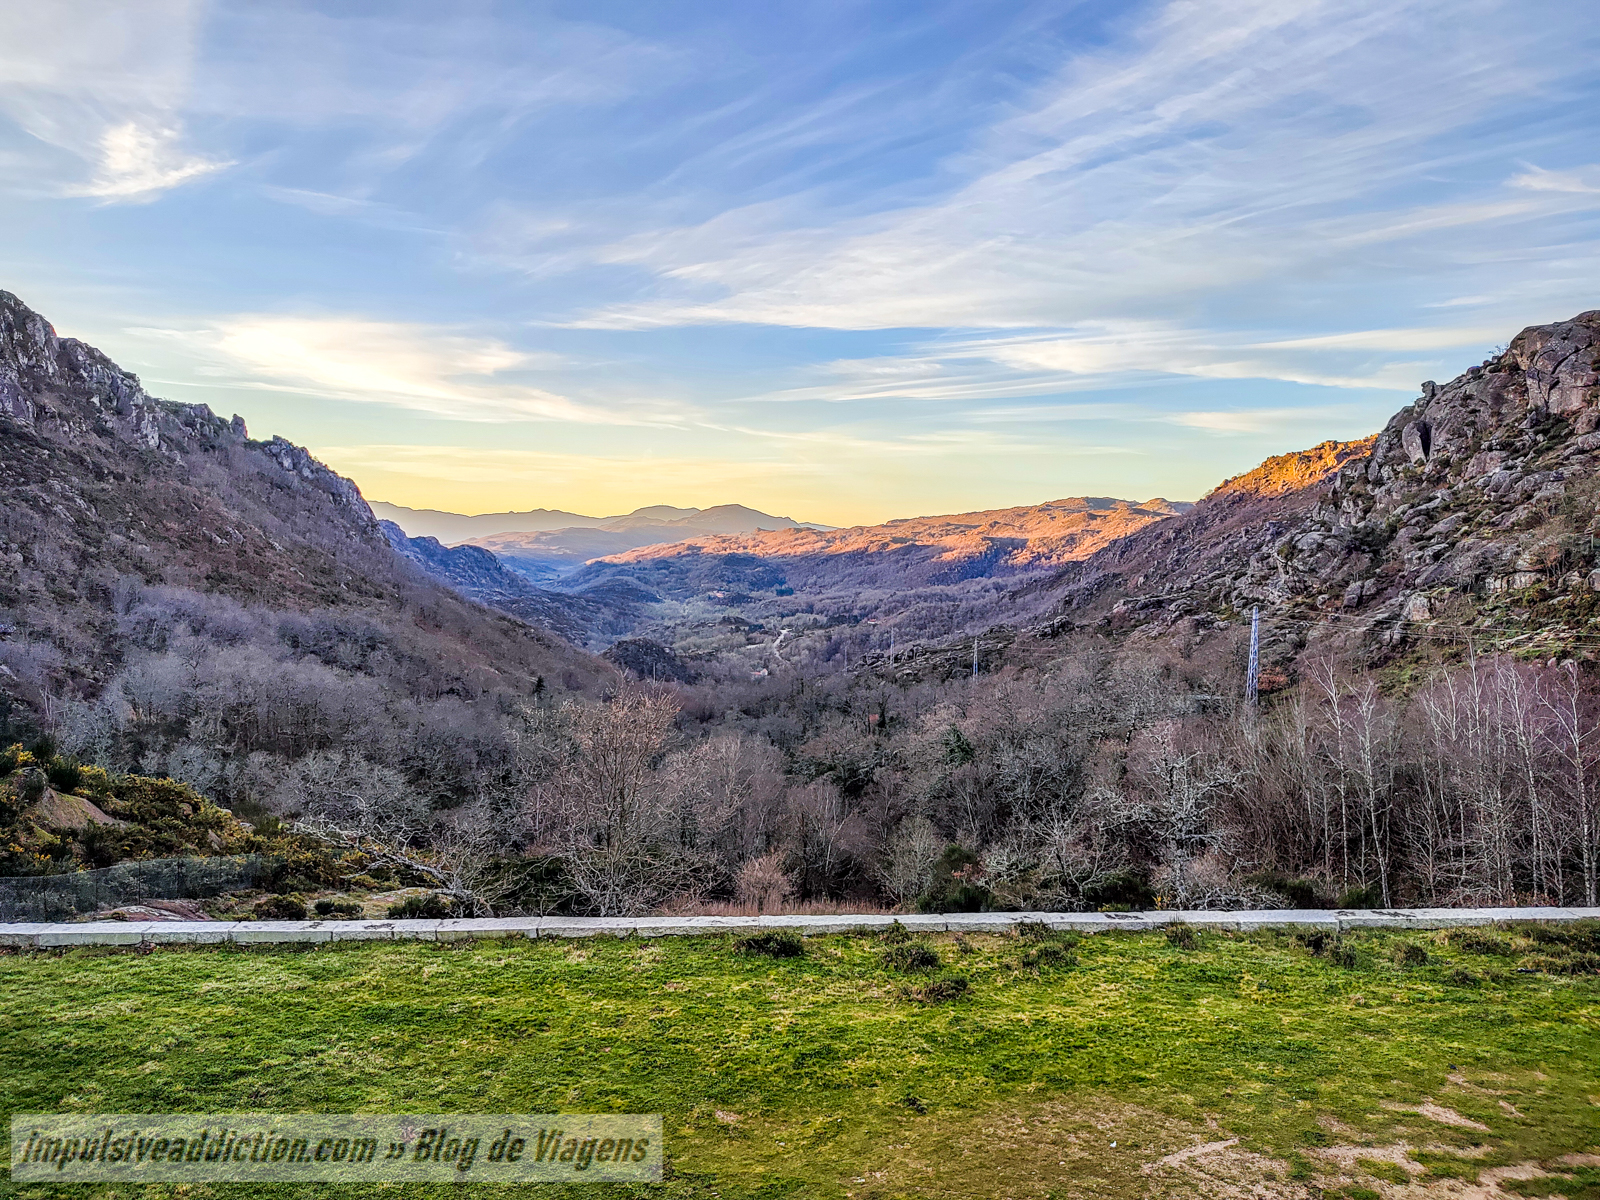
(1484, 488)
(105, 489)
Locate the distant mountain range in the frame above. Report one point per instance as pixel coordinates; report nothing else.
(920, 576)
(544, 544)
(896, 557)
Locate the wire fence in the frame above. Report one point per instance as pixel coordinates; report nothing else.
(58, 897)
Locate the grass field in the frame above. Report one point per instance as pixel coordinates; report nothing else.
(1355, 1069)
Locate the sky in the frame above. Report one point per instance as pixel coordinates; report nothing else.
(840, 260)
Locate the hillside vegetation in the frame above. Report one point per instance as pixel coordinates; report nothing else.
(1075, 738)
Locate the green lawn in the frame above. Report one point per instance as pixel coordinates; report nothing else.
(825, 1076)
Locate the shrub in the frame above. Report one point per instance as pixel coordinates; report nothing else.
(937, 991)
(1049, 954)
(10, 759)
(1123, 891)
(1568, 964)
(1475, 941)
(1300, 893)
(431, 907)
(910, 956)
(953, 888)
(1580, 935)
(33, 786)
(896, 933)
(65, 775)
(337, 908)
(1409, 954)
(1461, 977)
(1315, 940)
(1329, 945)
(780, 943)
(1183, 937)
(1368, 895)
(279, 908)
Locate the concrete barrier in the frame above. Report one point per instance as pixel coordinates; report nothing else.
(133, 933)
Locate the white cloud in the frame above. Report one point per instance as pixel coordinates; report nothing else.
(422, 368)
(1259, 420)
(1109, 354)
(139, 162)
(1581, 180)
(107, 85)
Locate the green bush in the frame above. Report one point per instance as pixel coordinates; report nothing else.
(279, 908)
(337, 908)
(65, 775)
(1331, 946)
(1300, 893)
(1120, 891)
(1409, 954)
(1183, 937)
(1461, 977)
(1368, 895)
(1315, 940)
(910, 956)
(431, 907)
(1580, 935)
(1038, 931)
(1048, 954)
(33, 787)
(1476, 941)
(937, 991)
(953, 889)
(896, 933)
(1563, 964)
(779, 943)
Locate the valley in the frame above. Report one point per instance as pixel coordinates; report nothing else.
(1037, 707)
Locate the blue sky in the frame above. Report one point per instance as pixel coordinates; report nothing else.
(844, 261)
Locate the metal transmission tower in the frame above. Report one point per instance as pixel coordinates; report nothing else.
(1252, 676)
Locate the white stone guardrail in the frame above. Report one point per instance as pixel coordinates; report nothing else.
(133, 933)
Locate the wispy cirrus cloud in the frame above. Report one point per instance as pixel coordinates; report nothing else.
(1216, 148)
(106, 85)
(1581, 180)
(425, 369)
(1104, 355)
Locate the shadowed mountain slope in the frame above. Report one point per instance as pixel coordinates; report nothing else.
(112, 501)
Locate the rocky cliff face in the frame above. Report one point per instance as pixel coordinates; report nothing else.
(103, 487)
(1474, 508)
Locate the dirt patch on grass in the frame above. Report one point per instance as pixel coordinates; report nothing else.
(1438, 1112)
(1086, 1150)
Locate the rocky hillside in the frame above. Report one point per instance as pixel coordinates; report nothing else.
(917, 552)
(1473, 513)
(107, 492)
